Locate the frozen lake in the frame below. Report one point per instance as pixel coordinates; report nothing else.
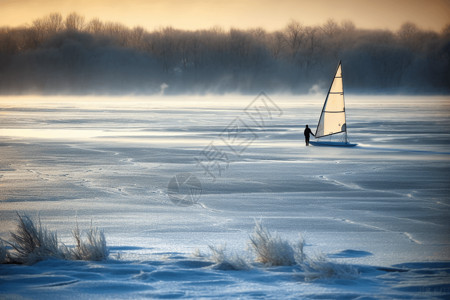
(112, 161)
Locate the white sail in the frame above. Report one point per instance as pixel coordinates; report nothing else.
(332, 119)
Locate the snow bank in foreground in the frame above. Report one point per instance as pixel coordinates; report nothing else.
(32, 243)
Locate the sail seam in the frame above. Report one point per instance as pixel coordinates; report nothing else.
(319, 136)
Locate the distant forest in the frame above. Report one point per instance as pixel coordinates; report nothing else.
(70, 55)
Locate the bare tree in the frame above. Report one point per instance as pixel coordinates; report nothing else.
(95, 26)
(47, 26)
(136, 36)
(348, 26)
(330, 28)
(74, 22)
(407, 31)
(310, 51)
(116, 31)
(293, 38)
(54, 22)
(276, 44)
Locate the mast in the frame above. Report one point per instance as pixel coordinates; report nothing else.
(343, 99)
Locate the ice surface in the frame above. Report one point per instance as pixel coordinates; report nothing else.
(381, 207)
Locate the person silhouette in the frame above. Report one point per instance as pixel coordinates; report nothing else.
(307, 132)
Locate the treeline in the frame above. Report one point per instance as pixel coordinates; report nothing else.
(57, 54)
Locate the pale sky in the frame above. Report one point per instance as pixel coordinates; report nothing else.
(204, 14)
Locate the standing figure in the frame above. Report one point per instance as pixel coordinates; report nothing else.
(307, 132)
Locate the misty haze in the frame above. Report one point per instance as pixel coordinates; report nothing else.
(57, 54)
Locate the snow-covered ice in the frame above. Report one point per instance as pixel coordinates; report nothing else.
(381, 208)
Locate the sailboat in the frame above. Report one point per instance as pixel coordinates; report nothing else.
(332, 119)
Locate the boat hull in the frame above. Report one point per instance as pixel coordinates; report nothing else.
(333, 144)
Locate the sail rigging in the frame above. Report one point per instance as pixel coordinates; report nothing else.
(332, 119)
